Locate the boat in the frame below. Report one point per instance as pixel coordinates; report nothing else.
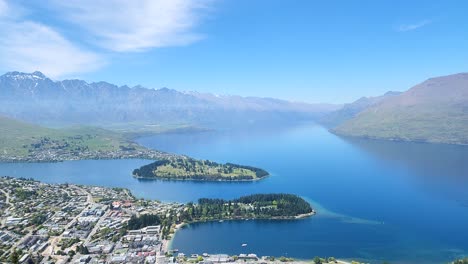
(244, 245)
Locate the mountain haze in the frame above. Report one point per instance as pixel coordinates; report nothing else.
(35, 98)
(350, 110)
(433, 111)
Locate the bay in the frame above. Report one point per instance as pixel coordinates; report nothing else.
(376, 200)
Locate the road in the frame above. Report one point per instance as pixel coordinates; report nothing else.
(95, 228)
(7, 199)
(54, 240)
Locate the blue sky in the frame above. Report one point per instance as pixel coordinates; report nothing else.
(312, 51)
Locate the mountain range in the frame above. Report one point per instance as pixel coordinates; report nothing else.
(434, 111)
(33, 97)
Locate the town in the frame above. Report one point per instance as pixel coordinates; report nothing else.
(58, 154)
(49, 223)
(68, 223)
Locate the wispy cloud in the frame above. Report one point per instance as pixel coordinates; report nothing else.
(26, 45)
(414, 26)
(110, 25)
(137, 25)
(29, 46)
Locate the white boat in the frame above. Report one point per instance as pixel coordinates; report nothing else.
(244, 245)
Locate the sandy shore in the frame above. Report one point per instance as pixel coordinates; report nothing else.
(305, 215)
(167, 243)
(342, 262)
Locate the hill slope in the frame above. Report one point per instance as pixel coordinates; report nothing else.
(35, 98)
(351, 110)
(23, 141)
(434, 111)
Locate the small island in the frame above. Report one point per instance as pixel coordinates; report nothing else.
(184, 168)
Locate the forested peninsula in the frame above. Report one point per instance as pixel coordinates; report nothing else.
(256, 206)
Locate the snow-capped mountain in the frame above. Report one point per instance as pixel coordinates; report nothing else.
(34, 97)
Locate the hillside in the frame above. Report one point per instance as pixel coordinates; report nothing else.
(33, 97)
(14, 133)
(434, 111)
(20, 141)
(351, 110)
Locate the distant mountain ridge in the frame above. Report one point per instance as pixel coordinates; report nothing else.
(35, 98)
(351, 110)
(434, 111)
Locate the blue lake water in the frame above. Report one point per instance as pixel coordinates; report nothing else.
(376, 200)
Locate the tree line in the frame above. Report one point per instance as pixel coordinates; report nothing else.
(143, 221)
(252, 206)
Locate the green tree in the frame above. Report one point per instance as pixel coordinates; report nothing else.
(461, 261)
(317, 260)
(14, 257)
(82, 249)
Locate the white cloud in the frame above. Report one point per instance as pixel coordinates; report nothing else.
(29, 46)
(115, 25)
(409, 27)
(136, 25)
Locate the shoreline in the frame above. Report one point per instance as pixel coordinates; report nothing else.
(65, 160)
(194, 180)
(131, 157)
(151, 155)
(167, 243)
(190, 169)
(397, 140)
(167, 248)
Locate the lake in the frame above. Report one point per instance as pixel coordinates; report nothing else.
(376, 200)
